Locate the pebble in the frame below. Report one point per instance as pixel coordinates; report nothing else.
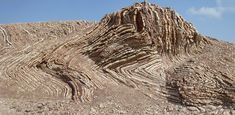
(102, 106)
(93, 111)
(226, 112)
(211, 107)
(122, 112)
(193, 108)
(202, 109)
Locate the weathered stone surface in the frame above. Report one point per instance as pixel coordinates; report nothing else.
(143, 59)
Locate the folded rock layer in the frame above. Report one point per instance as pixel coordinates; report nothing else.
(141, 52)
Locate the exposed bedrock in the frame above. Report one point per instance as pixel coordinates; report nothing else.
(138, 44)
(143, 47)
(142, 28)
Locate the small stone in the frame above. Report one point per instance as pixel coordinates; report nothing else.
(40, 106)
(102, 106)
(193, 108)
(93, 111)
(214, 112)
(122, 112)
(211, 107)
(226, 112)
(27, 110)
(233, 112)
(112, 111)
(202, 109)
(191, 60)
(168, 109)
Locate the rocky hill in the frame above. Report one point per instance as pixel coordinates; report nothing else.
(143, 59)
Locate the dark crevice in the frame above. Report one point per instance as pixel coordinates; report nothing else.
(139, 22)
(60, 74)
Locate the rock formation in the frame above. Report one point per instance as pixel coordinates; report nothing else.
(141, 52)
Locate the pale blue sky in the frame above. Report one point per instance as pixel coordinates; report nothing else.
(211, 17)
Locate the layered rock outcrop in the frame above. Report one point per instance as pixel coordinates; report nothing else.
(140, 51)
(143, 26)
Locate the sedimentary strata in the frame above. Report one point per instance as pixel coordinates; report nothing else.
(144, 49)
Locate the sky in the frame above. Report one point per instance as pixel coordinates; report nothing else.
(215, 18)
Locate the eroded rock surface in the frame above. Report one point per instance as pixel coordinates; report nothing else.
(143, 59)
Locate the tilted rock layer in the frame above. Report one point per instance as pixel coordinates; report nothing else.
(140, 54)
